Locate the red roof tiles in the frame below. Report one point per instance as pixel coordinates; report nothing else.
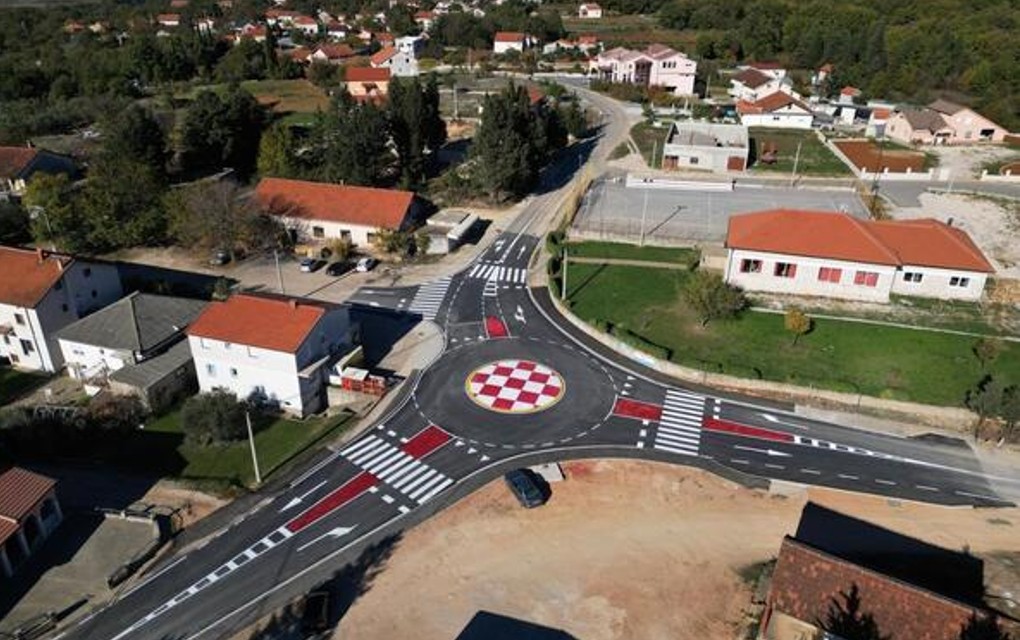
(20, 492)
(772, 102)
(28, 275)
(367, 74)
(840, 236)
(509, 36)
(14, 160)
(365, 206)
(268, 323)
(384, 54)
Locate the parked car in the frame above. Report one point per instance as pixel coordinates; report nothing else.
(308, 265)
(219, 258)
(339, 268)
(367, 264)
(525, 488)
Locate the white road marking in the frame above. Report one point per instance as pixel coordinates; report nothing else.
(924, 487)
(768, 452)
(740, 461)
(811, 471)
(774, 466)
(847, 476)
(338, 532)
(885, 482)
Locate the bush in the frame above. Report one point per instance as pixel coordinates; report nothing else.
(213, 418)
(116, 413)
(554, 242)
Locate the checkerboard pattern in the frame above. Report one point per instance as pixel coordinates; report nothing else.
(515, 386)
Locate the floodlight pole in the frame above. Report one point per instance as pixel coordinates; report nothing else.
(251, 441)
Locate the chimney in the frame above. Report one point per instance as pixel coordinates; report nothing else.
(40, 254)
(949, 222)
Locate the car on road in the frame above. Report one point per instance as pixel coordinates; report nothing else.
(339, 268)
(525, 488)
(219, 258)
(366, 264)
(308, 265)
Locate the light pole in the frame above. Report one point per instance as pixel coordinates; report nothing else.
(254, 456)
(644, 216)
(279, 273)
(563, 289)
(796, 161)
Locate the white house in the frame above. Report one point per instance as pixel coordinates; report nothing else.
(585, 44)
(318, 211)
(834, 255)
(42, 292)
(505, 41)
(589, 10)
(658, 65)
(276, 349)
(400, 63)
(409, 44)
(752, 83)
(777, 111)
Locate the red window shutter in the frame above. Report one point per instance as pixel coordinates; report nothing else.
(793, 271)
(836, 275)
(859, 277)
(872, 279)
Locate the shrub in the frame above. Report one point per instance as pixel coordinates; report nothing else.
(213, 418)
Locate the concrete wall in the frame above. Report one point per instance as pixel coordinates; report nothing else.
(935, 283)
(779, 120)
(85, 360)
(805, 281)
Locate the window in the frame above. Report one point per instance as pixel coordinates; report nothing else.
(27, 347)
(59, 285)
(866, 278)
(211, 370)
(785, 270)
(829, 274)
(912, 276)
(87, 271)
(226, 345)
(694, 159)
(14, 358)
(19, 319)
(233, 372)
(750, 266)
(318, 232)
(959, 281)
(94, 293)
(203, 343)
(63, 308)
(345, 235)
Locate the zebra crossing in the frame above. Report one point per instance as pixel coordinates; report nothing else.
(497, 273)
(404, 472)
(430, 297)
(680, 425)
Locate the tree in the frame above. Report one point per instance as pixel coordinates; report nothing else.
(14, 223)
(222, 132)
(798, 323)
(53, 217)
(213, 418)
(711, 298)
(210, 215)
(122, 205)
(415, 126)
(983, 628)
(574, 120)
(844, 618)
(422, 241)
(1011, 408)
(391, 241)
(340, 249)
(356, 143)
(134, 135)
(111, 412)
(276, 153)
(985, 400)
(987, 350)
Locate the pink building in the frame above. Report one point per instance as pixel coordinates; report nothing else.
(943, 122)
(657, 66)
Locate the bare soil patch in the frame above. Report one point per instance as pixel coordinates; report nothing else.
(866, 155)
(625, 550)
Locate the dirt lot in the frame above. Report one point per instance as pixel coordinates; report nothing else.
(625, 550)
(865, 155)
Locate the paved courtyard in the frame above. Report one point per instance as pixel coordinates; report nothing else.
(613, 211)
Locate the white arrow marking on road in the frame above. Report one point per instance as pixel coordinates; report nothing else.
(520, 254)
(373, 304)
(486, 458)
(459, 443)
(339, 532)
(769, 452)
(298, 500)
(472, 450)
(770, 418)
(519, 316)
(625, 393)
(627, 385)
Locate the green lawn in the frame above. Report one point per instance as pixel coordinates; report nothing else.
(815, 157)
(277, 440)
(650, 139)
(894, 363)
(14, 383)
(678, 255)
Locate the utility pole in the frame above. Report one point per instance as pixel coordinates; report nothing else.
(563, 289)
(644, 216)
(456, 110)
(655, 151)
(796, 161)
(254, 456)
(279, 273)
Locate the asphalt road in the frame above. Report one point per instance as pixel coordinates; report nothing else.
(513, 387)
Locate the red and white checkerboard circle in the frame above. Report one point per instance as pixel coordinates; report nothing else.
(515, 386)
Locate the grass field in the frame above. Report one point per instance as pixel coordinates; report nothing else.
(633, 31)
(283, 96)
(277, 440)
(650, 140)
(815, 157)
(14, 383)
(678, 255)
(902, 364)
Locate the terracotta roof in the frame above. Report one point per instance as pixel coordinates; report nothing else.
(367, 74)
(807, 581)
(14, 160)
(298, 54)
(383, 55)
(880, 114)
(305, 20)
(335, 51)
(509, 36)
(20, 492)
(276, 324)
(752, 78)
(770, 103)
(840, 236)
(365, 206)
(849, 91)
(168, 17)
(424, 15)
(28, 275)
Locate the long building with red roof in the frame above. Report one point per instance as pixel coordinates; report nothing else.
(835, 255)
(29, 513)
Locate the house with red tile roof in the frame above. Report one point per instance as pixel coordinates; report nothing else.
(398, 61)
(837, 568)
(19, 164)
(41, 292)
(835, 255)
(319, 211)
(368, 83)
(778, 110)
(29, 513)
(589, 10)
(751, 83)
(425, 19)
(306, 25)
(277, 349)
(332, 53)
(506, 41)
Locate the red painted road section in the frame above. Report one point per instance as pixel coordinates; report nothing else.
(627, 408)
(495, 327)
(722, 426)
(425, 442)
(353, 488)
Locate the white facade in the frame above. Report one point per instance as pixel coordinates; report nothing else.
(410, 44)
(589, 10)
(788, 117)
(808, 276)
(400, 63)
(657, 66)
(294, 381)
(508, 45)
(86, 361)
(28, 334)
(325, 230)
(740, 91)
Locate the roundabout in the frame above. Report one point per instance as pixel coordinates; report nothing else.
(516, 393)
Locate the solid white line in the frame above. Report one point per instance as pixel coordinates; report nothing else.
(428, 496)
(977, 495)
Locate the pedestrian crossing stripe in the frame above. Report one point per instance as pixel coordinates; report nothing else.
(402, 471)
(429, 298)
(680, 424)
(498, 273)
